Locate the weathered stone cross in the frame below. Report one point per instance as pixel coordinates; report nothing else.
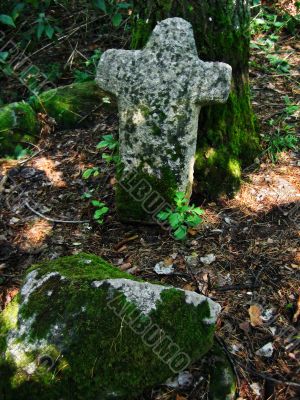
(160, 91)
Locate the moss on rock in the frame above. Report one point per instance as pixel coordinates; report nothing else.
(221, 30)
(222, 378)
(82, 329)
(227, 143)
(70, 105)
(18, 122)
(140, 196)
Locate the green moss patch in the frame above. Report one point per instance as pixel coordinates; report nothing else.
(70, 105)
(77, 337)
(139, 195)
(18, 122)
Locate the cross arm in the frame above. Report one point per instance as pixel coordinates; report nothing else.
(213, 86)
(113, 70)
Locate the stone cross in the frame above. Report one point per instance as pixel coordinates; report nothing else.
(160, 91)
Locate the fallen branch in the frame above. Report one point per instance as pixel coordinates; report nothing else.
(53, 219)
(270, 378)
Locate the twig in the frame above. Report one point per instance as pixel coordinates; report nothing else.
(226, 288)
(52, 219)
(31, 157)
(130, 239)
(2, 183)
(270, 378)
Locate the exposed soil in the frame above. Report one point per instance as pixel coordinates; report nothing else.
(254, 238)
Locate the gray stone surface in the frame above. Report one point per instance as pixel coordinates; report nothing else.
(160, 91)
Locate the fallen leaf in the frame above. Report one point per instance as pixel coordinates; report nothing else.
(192, 232)
(297, 313)
(255, 315)
(189, 286)
(113, 181)
(168, 261)
(125, 266)
(180, 397)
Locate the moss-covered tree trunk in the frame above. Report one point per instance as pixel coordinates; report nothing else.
(227, 140)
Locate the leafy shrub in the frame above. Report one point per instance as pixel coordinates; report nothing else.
(182, 217)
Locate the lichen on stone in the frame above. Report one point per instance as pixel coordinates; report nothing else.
(160, 91)
(103, 332)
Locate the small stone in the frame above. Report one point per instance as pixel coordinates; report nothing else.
(183, 381)
(256, 389)
(192, 260)
(161, 269)
(208, 259)
(14, 220)
(266, 350)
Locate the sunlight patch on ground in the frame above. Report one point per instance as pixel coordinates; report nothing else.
(49, 167)
(269, 188)
(33, 235)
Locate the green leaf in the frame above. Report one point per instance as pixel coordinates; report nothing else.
(49, 31)
(7, 20)
(179, 195)
(97, 203)
(198, 211)
(87, 173)
(17, 10)
(98, 213)
(124, 6)
(180, 233)
(40, 30)
(3, 55)
(86, 195)
(101, 5)
(163, 215)
(116, 20)
(193, 220)
(101, 144)
(175, 219)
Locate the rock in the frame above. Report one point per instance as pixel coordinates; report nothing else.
(182, 381)
(208, 259)
(160, 91)
(162, 269)
(223, 381)
(266, 350)
(82, 329)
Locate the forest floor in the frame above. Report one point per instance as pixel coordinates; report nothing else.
(254, 239)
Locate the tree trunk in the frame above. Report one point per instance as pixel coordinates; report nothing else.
(227, 138)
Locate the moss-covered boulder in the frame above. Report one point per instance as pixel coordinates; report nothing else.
(69, 106)
(18, 122)
(81, 329)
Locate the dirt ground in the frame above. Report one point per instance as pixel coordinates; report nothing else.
(254, 240)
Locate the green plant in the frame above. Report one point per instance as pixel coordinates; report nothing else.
(110, 143)
(182, 217)
(44, 26)
(88, 194)
(101, 210)
(81, 76)
(90, 172)
(290, 108)
(19, 152)
(279, 142)
(115, 9)
(89, 72)
(281, 65)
